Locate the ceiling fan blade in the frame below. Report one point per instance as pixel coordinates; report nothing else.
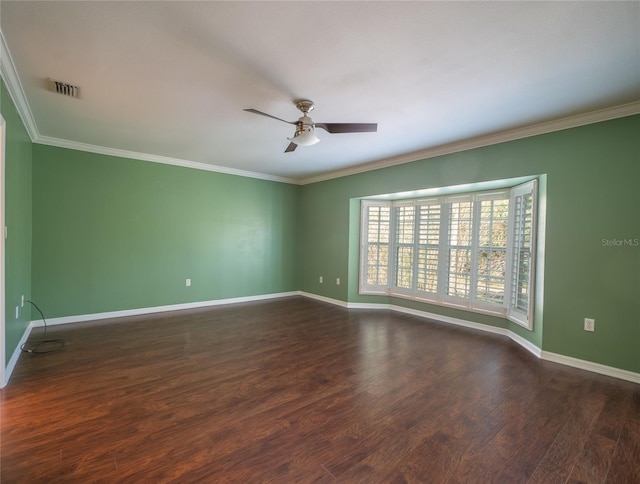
(348, 127)
(255, 111)
(291, 147)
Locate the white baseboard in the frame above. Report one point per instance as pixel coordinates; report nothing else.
(591, 366)
(470, 324)
(329, 300)
(449, 320)
(128, 312)
(528, 345)
(436, 317)
(160, 309)
(545, 355)
(15, 355)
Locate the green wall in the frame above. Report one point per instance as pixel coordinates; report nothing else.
(591, 181)
(114, 234)
(18, 221)
(91, 233)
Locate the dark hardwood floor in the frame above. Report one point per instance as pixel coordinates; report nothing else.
(294, 390)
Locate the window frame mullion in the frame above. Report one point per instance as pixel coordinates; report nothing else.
(443, 252)
(417, 210)
(511, 239)
(393, 267)
(475, 234)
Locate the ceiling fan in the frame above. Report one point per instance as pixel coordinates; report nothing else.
(305, 127)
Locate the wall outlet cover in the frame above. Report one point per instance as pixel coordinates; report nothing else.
(589, 324)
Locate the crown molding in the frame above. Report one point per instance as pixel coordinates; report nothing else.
(606, 114)
(16, 92)
(10, 76)
(601, 115)
(103, 150)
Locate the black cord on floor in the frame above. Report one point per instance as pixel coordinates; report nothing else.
(43, 345)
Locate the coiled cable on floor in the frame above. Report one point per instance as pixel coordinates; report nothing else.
(43, 345)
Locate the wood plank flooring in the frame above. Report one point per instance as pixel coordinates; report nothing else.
(295, 390)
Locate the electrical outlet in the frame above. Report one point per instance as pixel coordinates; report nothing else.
(22, 302)
(589, 324)
(17, 312)
(321, 280)
(337, 281)
(187, 282)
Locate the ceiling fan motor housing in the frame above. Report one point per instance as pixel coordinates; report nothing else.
(305, 123)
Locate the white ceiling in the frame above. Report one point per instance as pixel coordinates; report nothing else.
(171, 79)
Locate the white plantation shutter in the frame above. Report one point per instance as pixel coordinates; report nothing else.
(522, 248)
(428, 246)
(374, 250)
(491, 248)
(459, 246)
(404, 217)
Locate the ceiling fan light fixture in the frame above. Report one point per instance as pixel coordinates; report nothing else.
(306, 137)
(305, 127)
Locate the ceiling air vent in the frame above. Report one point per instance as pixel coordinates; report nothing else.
(64, 88)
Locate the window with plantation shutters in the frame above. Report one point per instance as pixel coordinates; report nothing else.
(459, 248)
(491, 249)
(428, 247)
(404, 246)
(473, 251)
(375, 249)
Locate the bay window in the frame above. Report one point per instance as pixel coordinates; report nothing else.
(473, 251)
